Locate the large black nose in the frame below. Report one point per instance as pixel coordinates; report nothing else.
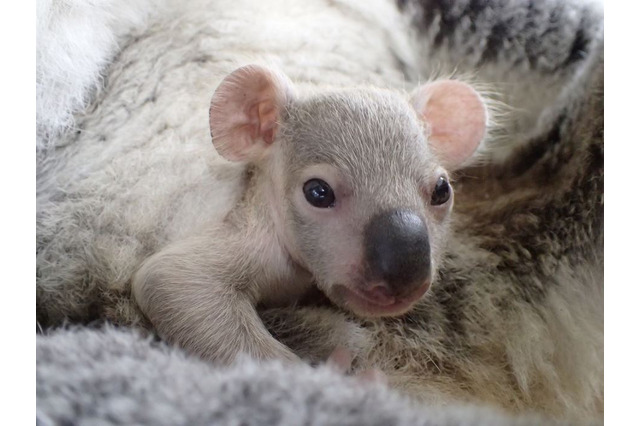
(397, 250)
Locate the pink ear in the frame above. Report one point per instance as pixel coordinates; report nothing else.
(456, 119)
(244, 112)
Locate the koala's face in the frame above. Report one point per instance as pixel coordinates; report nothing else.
(366, 201)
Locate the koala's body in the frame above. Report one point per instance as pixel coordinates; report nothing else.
(513, 315)
(347, 191)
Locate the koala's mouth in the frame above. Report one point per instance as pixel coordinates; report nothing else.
(377, 303)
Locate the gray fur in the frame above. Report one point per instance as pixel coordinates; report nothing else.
(100, 377)
(528, 50)
(515, 319)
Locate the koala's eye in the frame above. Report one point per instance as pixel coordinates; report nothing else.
(441, 193)
(318, 193)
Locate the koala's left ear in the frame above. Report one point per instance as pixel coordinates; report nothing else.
(244, 112)
(455, 117)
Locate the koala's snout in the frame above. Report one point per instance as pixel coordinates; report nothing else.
(397, 251)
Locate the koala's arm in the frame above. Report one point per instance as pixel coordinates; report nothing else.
(201, 294)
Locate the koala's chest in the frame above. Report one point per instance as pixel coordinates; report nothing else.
(278, 280)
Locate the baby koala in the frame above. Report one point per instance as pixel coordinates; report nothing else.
(346, 190)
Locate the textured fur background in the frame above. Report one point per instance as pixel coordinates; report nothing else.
(76, 41)
(125, 165)
(108, 376)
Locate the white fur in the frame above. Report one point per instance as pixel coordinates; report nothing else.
(76, 40)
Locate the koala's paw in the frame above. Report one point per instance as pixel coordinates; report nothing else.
(341, 360)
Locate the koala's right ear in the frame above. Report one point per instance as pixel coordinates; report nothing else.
(456, 118)
(245, 110)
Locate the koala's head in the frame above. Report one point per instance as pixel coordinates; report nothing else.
(360, 180)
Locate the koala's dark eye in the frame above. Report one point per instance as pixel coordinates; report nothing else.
(441, 193)
(318, 193)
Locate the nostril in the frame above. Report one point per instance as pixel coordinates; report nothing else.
(397, 249)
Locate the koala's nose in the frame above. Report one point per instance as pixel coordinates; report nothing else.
(397, 250)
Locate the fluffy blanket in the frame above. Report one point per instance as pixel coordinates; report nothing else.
(90, 112)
